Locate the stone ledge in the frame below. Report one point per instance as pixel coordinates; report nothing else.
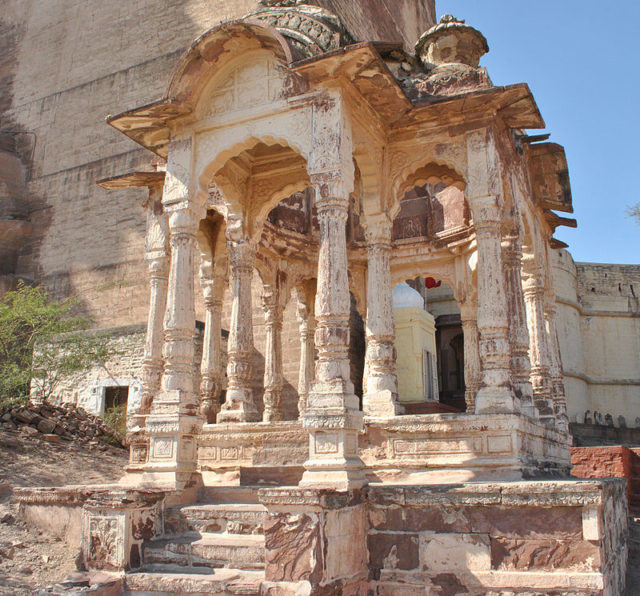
(547, 493)
(59, 495)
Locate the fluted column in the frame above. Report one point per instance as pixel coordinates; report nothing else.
(381, 394)
(496, 393)
(273, 354)
(518, 332)
(306, 293)
(211, 366)
(472, 369)
(332, 415)
(539, 349)
(555, 370)
(240, 405)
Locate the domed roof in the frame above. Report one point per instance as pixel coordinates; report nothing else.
(404, 296)
(311, 30)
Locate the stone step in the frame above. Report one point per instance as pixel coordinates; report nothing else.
(219, 494)
(232, 518)
(235, 551)
(161, 581)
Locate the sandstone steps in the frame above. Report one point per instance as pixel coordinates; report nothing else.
(233, 518)
(214, 583)
(207, 548)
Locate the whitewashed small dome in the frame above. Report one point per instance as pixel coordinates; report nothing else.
(404, 296)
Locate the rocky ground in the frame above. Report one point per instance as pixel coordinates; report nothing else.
(30, 559)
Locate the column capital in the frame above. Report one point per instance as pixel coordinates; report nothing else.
(468, 311)
(241, 254)
(331, 193)
(182, 218)
(271, 306)
(512, 250)
(486, 213)
(158, 266)
(378, 232)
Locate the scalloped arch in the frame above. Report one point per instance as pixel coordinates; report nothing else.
(431, 172)
(217, 163)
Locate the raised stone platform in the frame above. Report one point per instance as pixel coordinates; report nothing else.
(546, 537)
(417, 449)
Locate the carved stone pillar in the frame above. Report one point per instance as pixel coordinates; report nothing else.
(496, 393)
(472, 369)
(539, 349)
(174, 421)
(240, 405)
(306, 293)
(518, 332)
(273, 354)
(152, 363)
(180, 318)
(555, 370)
(332, 414)
(211, 367)
(381, 395)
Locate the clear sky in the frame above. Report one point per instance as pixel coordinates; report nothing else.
(581, 59)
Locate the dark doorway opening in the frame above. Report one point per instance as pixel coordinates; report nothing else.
(115, 397)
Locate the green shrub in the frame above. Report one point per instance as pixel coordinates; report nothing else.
(41, 343)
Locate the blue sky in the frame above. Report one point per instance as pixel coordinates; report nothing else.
(581, 59)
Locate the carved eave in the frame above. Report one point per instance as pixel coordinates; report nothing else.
(361, 65)
(555, 243)
(149, 125)
(513, 103)
(133, 180)
(151, 180)
(554, 220)
(550, 176)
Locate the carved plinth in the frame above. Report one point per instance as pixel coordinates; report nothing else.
(171, 455)
(334, 461)
(114, 526)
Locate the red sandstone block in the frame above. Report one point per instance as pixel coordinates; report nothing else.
(537, 555)
(601, 462)
(527, 523)
(393, 551)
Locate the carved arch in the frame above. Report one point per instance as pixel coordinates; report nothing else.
(431, 172)
(212, 48)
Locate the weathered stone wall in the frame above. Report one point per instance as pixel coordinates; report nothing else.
(599, 334)
(124, 368)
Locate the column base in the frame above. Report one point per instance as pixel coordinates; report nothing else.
(171, 452)
(272, 416)
(238, 407)
(333, 461)
(382, 403)
(495, 399)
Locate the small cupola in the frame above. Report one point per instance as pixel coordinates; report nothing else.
(451, 41)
